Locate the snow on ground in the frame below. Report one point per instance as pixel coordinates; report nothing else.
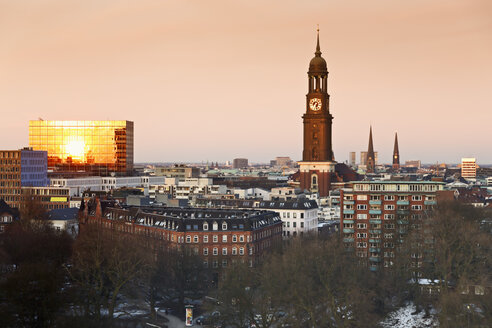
(403, 318)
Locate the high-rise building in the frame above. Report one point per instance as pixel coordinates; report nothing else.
(352, 158)
(371, 158)
(318, 162)
(376, 215)
(363, 158)
(396, 154)
(21, 168)
(414, 163)
(239, 163)
(468, 168)
(99, 147)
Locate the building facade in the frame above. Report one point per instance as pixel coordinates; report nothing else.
(100, 147)
(299, 216)
(181, 172)
(375, 215)
(317, 156)
(49, 198)
(240, 163)
(220, 237)
(18, 168)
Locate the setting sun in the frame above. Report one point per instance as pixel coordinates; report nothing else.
(76, 149)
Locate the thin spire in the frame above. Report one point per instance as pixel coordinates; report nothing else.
(371, 161)
(396, 153)
(318, 51)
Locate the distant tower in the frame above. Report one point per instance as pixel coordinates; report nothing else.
(371, 158)
(396, 154)
(317, 157)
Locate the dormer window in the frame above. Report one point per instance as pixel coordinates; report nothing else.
(205, 226)
(224, 226)
(215, 226)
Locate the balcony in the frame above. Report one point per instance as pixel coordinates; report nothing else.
(374, 240)
(375, 250)
(374, 202)
(347, 211)
(375, 231)
(375, 221)
(402, 231)
(348, 221)
(375, 259)
(373, 268)
(402, 212)
(348, 202)
(402, 202)
(348, 240)
(374, 211)
(402, 221)
(348, 230)
(430, 202)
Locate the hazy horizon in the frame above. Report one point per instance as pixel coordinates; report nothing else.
(219, 80)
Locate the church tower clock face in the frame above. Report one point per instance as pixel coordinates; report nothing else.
(315, 104)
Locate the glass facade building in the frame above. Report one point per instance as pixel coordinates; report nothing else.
(96, 146)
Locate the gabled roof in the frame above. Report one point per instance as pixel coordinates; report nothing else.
(63, 214)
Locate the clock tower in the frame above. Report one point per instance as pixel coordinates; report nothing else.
(317, 163)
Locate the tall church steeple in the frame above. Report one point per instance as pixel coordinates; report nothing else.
(396, 154)
(317, 163)
(371, 161)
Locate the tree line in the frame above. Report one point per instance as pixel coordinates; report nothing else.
(443, 266)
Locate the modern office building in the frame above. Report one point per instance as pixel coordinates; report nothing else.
(375, 215)
(469, 168)
(100, 147)
(49, 198)
(179, 171)
(21, 168)
(352, 159)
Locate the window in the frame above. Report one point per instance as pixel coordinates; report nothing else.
(224, 226)
(294, 224)
(205, 239)
(389, 197)
(224, 251)
(361, 235)
(361, 216)
(417, 197)
(195, 239)
(216, 239)
(241, 239)
(234, 238)
(234, 251)
(389, 207)
(188, 239)
(241, 250)
(216, 251)
(389, 216)
(417, 207)
(205, 226)
(215, 226)
(402, 198)
(361, 245)
(224, 263)
(302, 215)
(205, 251)
(302, 224)
(361, 207)
(361, 226)
(224, 238)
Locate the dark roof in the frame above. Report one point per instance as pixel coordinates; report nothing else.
(298, 204)
(63, 214)
(5, 208)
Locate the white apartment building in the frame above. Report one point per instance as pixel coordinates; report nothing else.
(78, 186)
(469, 168)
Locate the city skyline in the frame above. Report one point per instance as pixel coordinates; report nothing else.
(228, 80)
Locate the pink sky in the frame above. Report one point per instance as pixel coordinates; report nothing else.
(213, 80)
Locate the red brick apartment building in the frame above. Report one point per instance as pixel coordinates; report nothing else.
(375, 215)
(219, 236)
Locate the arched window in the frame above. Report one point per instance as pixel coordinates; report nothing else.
(215, 226)
(314, 181)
